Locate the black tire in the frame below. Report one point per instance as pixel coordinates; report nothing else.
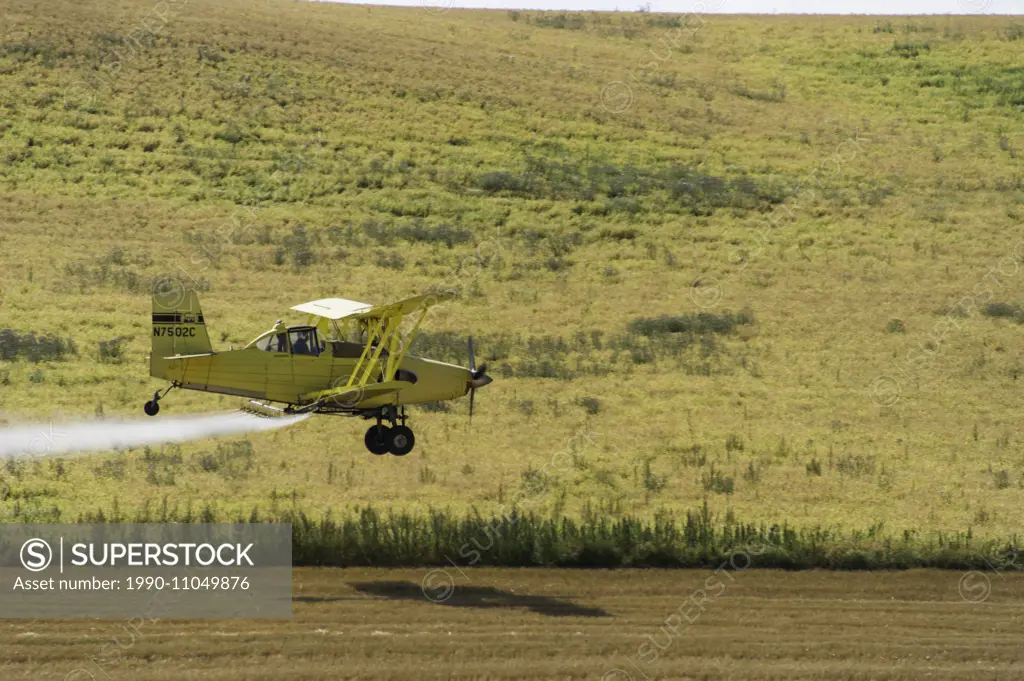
(378, 439)
(151, 408)
(401, 441)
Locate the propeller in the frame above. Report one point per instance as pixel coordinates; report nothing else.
(479, 378)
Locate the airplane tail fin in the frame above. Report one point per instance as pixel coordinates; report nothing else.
(178, 328)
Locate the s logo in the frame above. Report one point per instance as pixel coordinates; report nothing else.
(36, 555)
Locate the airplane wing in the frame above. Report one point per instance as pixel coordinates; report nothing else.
(340, 308)
(404, 307)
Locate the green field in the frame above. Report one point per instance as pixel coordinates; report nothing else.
(840, 198)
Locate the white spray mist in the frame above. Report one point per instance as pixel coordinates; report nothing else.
(91, 436)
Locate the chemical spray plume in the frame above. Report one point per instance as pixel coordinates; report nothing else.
(91, 436)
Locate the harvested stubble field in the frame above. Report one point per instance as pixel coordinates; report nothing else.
(500, 624)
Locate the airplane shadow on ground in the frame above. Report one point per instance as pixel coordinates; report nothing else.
(480, 597)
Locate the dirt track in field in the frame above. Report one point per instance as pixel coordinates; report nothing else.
(564, 624)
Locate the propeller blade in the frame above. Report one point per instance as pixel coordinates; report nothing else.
(478, 378)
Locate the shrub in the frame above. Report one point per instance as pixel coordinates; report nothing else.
(606, 477)
(777, 94)
(855, 465)
(910, 50)
(525, 407)
(111, 352)
(229, 133)
(1005, 82)
(752, 474)
(699, 323)
(661, 21)
(298, 246)
(573, 22)
(535, 481)
(692, 456)
(714, 481)
(112, 468)
(896, 326)
(696, 538)
(28, 346)
(653, 483)
(1004, 310)
(1002, 479)
(592, 405)
(230, 460)
(427, 476)
(210, 54)
(391, 260)
(503, 181)
(556, 264)
(619, 233)
(160, 476)
(444, 233)
(689, 189)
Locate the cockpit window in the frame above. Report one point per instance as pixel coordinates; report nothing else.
(305, 342)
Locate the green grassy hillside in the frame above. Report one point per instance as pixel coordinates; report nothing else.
(841, 198)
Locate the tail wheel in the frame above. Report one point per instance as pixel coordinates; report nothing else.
(378, 439)
(151, 408)
(402, 441)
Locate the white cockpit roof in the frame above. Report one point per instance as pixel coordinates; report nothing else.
(336, 308)
(333, 308)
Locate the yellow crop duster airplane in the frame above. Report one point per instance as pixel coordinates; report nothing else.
(349, 358)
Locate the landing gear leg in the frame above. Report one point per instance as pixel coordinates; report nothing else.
(152, 408)
(378, 438)
(402, 440)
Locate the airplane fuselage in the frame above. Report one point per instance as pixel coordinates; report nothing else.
(287, 378)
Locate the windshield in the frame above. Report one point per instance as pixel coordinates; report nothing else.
(273, 342)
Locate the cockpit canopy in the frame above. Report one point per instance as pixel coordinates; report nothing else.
(299, 340)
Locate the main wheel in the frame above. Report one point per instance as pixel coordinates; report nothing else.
(378, 439)
(151, 408)
(402, 441)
